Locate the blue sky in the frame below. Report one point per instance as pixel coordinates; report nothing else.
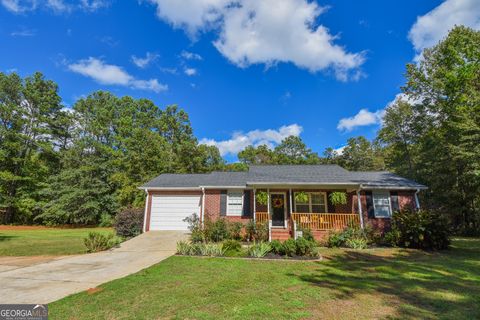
(247, 73)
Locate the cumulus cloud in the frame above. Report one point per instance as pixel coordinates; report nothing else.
(190, 71)
(109, 74)
(187, 55)
(432, 27)
(240, 140)
(265, 32)
(362, 118)
(57, 6)
(144, 62)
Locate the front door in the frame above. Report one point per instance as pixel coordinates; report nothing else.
(277, 205)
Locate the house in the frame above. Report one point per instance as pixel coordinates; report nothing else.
(371, 197)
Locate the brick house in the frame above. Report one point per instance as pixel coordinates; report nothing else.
(297, 196)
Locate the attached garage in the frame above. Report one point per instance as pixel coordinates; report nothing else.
(168, 211)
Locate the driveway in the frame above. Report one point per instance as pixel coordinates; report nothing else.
(43, 282)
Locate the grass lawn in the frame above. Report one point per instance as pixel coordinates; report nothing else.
(34, 241)
(368, 284)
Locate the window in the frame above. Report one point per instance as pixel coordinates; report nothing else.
(235, 203)
(381, 204)
(315, 203)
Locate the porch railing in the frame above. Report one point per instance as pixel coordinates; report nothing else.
(261, 217)
(325, 221)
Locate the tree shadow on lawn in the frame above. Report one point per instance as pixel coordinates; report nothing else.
(425, 285)
(7, 237)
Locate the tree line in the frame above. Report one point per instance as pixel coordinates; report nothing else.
(78, 165)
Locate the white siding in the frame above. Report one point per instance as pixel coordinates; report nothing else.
(168, 211)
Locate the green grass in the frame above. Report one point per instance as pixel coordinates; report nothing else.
(368, 284)
(44, 241)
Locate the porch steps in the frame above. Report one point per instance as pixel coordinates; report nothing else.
(280, 234)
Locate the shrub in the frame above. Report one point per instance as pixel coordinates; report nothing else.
(303, 246)
(217, 230)
(211, 249)
(420, 229)
(232, 245)
(186, 248)
(106, 220)
(129, 222)
(307, 234)
(350, 237)
(290, 247)
(195, 227)
(356, 243)
(259, 250)
(256, 231)
(235, 230)
(96, 241)
(277, 247)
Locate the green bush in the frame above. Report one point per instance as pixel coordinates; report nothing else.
(96, 241)
(259, 250)
(356, 243)
(277, 247)
(217, 230)
(235, 230)
(307, 234)
(129, 222)
(350, 237)
(422, 229)
(256, 231)
(203, 249)
(290, 247)
(106, 220)
(303, 246)
(232, 245)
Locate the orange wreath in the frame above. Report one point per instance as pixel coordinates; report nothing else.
(277, 203)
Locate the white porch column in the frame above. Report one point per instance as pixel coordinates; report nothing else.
(254, 206)
(359, 201)
(291, 203)
(268, 204)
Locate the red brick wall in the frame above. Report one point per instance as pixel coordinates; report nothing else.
(406, 200)
(212, 207)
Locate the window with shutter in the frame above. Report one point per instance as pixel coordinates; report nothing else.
(381, 204)
(235, 203)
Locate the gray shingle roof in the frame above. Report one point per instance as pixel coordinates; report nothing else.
(285, 174)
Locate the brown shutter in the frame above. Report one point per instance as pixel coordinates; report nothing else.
(223, 202)
(370, 208)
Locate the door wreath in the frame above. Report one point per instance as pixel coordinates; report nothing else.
(277, 203)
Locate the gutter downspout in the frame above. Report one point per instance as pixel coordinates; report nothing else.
(360, 211)
(145, 213)
(416, 199)
(202, 212)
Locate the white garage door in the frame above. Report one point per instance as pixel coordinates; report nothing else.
(169, 211)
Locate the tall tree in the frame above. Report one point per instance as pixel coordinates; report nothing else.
(32, 126)
(442, 127)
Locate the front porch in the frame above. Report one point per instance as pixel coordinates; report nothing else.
(284, 219)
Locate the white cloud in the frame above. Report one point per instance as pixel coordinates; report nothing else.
(190, 71)
(23, 32)
(190, 55)
(57, 6)
(113, 75)
(144, 62)
(362, 118)
(94, 5)
(432, 27)
(265, 32)
(240, 140)
(19, 6)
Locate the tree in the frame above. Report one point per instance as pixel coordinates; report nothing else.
(361, 155)
(32, 128)
(439, 134)
(292, 150)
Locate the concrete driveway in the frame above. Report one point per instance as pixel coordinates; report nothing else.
(44, 282)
